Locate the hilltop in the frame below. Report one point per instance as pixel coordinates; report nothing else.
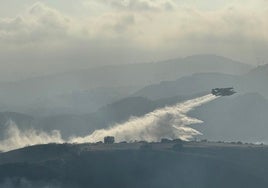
(202, 165)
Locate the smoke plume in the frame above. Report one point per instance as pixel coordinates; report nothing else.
(169, 122)
(15, 138)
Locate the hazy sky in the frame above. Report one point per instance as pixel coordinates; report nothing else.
(41, 37)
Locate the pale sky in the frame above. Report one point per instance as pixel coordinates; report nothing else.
(42, 37)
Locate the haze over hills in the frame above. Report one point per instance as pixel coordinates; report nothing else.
(256, 80)
(188, 85)
(133, 94)
(169, 93)
(253, 81)
(87, 90)
(242, 117)
(83, 124)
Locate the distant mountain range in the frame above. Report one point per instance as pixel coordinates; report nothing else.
(83, 124)
(242, 116)
(237, 118)
(253, 81)
(87, 90)
(188, 85)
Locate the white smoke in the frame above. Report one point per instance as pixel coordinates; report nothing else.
(169, 122)
(15, 138)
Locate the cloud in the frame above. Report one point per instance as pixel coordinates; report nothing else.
(138, 5)
(231, 25)
(131, 31)
(37, 25)
(124, 23)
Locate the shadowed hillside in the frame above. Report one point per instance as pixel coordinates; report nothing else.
(195, 165)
